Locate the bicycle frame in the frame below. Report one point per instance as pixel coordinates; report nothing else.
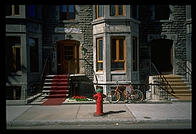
(128, 92)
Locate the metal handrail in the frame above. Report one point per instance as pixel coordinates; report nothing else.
(91, 66)
(189, 71)
(44, 72)
(42, 79)
(163, 79)
(44, 68)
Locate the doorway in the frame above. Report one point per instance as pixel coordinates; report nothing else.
(67, 57)
(162, 55)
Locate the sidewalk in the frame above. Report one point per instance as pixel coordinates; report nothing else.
(30, 115)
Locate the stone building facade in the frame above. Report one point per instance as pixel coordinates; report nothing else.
(171, 28)
(102, 43)
(23, 59)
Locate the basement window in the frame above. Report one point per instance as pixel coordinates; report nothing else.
(13, 92)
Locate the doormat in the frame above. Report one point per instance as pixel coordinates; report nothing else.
(59, 88)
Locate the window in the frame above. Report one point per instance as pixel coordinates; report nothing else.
(99, 11)
(14, 54)
(135, 11)
(188, 12)
(117, 10)
(34, 55)
(34, 11)
(134, 41)
(12, 10)
(31, 11)
(118, 53)
(67, 12)
(99, 54)
(161, 12)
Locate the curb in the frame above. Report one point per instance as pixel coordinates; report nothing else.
(107, 102)
(67, 122)
(87, 121)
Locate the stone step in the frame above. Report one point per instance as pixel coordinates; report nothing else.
(181, 88)
(57, 91)
(57, 96)
(56, 80)
(46, 95)
(57, 76)
(56, 83)
(57, 87)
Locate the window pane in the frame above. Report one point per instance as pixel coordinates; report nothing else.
(113, 49)
(100, 50)
(71, 8)
(63, 8)
(134, 9)
(63, 11)
(31, 11)
(8, 10)
(13, 54)
(134, 54)
(71, 12)
(99, 66)
(39, 13)
(120, 10)
(117, 66)
(18, 61)
(121, 49)
(162, 12)
(112, 10)
(100, 12)
(16, 9)
(34, 58)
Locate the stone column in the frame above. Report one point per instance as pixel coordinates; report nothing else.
(25, 67)
(106, 61)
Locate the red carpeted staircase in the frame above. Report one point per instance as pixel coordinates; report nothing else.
(56, 86)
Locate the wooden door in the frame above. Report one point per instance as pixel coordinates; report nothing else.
(67, 58)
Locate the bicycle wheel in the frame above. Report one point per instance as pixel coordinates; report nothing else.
(113, 97)
(137, 96)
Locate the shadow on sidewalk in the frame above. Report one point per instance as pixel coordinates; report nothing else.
(113, 112)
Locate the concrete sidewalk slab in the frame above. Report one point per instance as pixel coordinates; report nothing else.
(68, 112)
(50, 113)
(12, 112)
(174, 111)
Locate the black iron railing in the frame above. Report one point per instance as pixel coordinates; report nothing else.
(91, 65)
(36, 86)
(187, 71)
(162, 82)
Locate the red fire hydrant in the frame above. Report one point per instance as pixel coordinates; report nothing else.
(99, 102)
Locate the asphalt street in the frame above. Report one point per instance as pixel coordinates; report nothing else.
(166, 125)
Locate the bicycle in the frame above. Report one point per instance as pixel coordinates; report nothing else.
(128, 93)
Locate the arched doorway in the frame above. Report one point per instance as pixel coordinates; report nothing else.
(67, 56)
(162, 55)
